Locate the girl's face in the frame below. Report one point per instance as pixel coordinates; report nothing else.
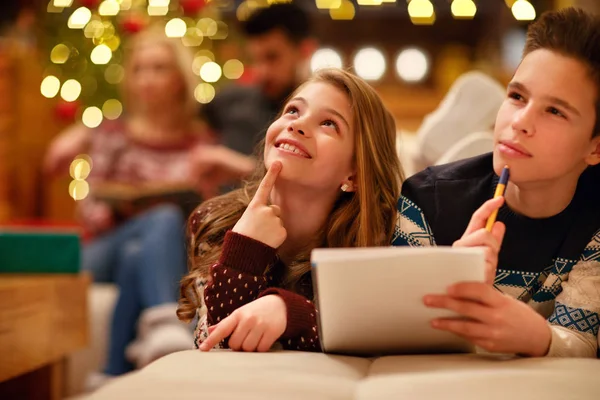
(154, 80)
(314, 138)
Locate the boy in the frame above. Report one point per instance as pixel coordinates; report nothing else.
(547, 301)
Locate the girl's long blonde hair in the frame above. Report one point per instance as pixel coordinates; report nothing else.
(361, 219)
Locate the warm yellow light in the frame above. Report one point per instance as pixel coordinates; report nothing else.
(345, 11)
(80, 169)
(92, 117)
(109, 8)
(204, 93)
(62, 3)
(157, 11)
(159, 3)
(198, 63)
(243, 11)
(509, 3)
(233, 69)
(328, 4)
(114, 74)
(388, 1)
(50, 86)
(193, 37)
(175, 28)
(523, 10)
(210, 72)
(369, 2)
(51, 8)
(113, 43)
(112, 109)
(101, 54)
(222, 31)
(79, 18)
(125, 4)
(208, 26)
(420, 9)
(79, 189)
(70, 90)
(463, 9)
(59, 54)
(95, 29)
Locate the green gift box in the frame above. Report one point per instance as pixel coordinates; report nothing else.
(27, 250)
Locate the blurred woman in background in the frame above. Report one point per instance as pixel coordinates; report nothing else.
(153, 143)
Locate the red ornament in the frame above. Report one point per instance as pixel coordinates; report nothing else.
(248, 77)
(92, 4)
(192, 7)
(66, 111)
(132, 24)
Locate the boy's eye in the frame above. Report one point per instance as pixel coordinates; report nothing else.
(556, 111)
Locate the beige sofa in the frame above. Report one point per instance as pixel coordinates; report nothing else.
(296, 375)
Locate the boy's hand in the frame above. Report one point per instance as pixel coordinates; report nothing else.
(477, 236)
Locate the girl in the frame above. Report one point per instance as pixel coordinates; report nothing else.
(332, 180)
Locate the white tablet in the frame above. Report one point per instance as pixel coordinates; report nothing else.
(370, 300)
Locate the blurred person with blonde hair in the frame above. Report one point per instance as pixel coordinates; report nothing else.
(152, 143)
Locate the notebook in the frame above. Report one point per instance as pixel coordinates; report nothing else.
(370, 300)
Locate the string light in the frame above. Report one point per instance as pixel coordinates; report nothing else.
(463, 9)
(412, 65)
(109, 8)
(175, 28)
(70, 90)
(210, 72)
(101, 54)
(328, 4)
(369, 64)
(345, 11)
(325, 57)
(79, 18)
(233, 69)
(421, 12)
(523, 10)
(204, 93)
(50, 86)
(60, 54)
(92, 117)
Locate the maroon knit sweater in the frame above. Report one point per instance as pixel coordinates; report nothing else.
(240, 276)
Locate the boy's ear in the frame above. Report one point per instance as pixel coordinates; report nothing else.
(593, 157)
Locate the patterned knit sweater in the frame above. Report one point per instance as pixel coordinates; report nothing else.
(247, 270)
(553, 264)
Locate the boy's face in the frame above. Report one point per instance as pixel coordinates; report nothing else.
(544, 127)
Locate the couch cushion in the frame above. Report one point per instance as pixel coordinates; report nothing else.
(297, 375)
(475, 377)
(229, 375)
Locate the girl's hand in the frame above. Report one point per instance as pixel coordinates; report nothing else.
(261, 221)
(494, 321)
(252, 327)
(477, 236)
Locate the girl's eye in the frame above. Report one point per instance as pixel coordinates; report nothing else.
(291, 110)
(515, 96)
(330, 123)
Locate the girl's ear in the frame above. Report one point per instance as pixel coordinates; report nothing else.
(593, 158)
(349, 185)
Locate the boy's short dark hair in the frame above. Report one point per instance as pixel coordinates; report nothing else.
(574, 33)
(288, 17)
